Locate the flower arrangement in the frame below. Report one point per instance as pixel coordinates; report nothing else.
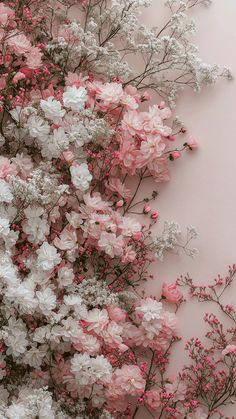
(79, 338)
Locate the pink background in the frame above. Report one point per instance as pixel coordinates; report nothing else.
(202, 189)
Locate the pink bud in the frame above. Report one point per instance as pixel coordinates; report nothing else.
(176, 155)
(120, 204)
(192, 144)
(146, 96)
(171, 138)
(130, 90)
(68, 156)
(137, 236)
(146, 209)
(18, 76)
(154, 215)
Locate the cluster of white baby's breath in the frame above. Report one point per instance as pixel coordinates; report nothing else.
(96, 293)
(42, 188)
(89, 128)
(114, 32)
(170, 240)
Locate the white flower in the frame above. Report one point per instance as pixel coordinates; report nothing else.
(198, 414)
(3, 371)
(17, 113)
(33, 212)
(3, 394)
(47, 257)
(56, 143)
(8, 271)
(34, 356)
(80, 365)
(80, 176)
(75, 98)
(42, 333)
(150, 309)
(72, 300)
(111, 93)
(52, 109)
(36, 229)
(46, 300)
(101, 369)
(38, 128)
(89, 370)
(129, 226)
(22, 294)
(4, 227)
(15, 338)
(17, 411)
(5, 193)
(65, 277)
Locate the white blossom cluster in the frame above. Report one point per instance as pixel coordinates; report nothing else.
(96, 293)
(41, 188)
(170, 60)
(170, 240)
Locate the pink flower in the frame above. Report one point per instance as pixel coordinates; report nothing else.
(230, 349)
(120, 203)
(129, 226)
(153, 121)
(116, 313)
(5, 14)
(129, 255)
(154, 215)
(129, 102)
(23, 164)
(73, 79)
(175, 155)
(6, 168)
(95, 202)
(169, 321)
(132, 122)
(2, 82)
(110, 93)
(152, 148)
(112, 245)
(19, 43)
(67, 239)
(128, 155)
(191, 144)
(131, 90)
(129, 380)
(159, 169)
(34, 58)
(97, 320)
(146, 209)
(171, 293)
(153, 399)
(68, 156)
(18, 76)
(116, 185)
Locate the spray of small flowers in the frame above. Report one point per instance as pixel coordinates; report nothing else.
(78, 137)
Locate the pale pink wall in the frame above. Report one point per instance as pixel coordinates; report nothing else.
(202, 190)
